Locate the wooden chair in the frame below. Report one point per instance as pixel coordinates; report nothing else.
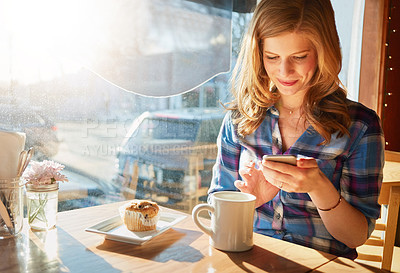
(379, 247)
(196, 156)
(130, 180)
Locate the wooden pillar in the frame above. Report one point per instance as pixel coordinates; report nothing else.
(373, 54)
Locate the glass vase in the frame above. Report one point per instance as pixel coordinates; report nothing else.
(11, 207)
(42, 203)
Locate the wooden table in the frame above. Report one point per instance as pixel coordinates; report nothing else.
(344, 265)
(183, 248)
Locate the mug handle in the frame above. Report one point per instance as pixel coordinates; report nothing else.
(195, 215)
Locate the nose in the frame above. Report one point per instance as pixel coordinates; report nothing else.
(286, 67)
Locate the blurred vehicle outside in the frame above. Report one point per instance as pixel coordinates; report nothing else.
(167, 156)
(41, 132)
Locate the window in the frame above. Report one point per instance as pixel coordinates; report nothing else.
(101, 132)
(80, 118)
(350, 13)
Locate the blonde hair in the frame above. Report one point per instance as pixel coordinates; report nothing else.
(324, 105)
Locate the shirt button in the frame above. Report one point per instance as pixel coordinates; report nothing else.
(278, 216)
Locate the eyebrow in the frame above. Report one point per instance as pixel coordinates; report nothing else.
(295, 53)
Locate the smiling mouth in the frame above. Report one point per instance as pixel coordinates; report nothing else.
(287, 83)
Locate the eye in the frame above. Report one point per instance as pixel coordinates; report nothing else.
(271, 57)
(300, 57)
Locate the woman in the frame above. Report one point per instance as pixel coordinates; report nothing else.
(288, 100)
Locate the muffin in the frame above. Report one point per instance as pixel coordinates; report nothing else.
(140, 215)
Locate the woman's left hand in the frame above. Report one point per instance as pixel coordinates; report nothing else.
(255, 183)
(303, 178)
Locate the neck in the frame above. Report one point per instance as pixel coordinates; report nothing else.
(288, 108)
(289, 104)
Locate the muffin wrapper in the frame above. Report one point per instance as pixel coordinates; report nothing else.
(135, 221)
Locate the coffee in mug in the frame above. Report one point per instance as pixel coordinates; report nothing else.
(232, 215)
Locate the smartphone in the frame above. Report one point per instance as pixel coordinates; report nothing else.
(288, 159)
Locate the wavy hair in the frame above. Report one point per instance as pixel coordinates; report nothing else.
(324, 104)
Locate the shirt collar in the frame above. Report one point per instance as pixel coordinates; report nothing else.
(273, 111)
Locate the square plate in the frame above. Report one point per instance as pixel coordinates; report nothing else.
(114, 229)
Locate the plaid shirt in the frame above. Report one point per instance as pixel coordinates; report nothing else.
(352, 163)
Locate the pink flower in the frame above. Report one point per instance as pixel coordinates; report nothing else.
(44, 173)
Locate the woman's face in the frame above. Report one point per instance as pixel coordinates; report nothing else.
(290, 61)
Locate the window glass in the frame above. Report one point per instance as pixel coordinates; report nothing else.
(117, 145)
(350, 13)
(152, 47)
(191, 99)
(166, 128)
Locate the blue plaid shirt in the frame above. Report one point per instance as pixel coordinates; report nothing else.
(352, 163)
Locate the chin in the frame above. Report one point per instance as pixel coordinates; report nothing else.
(291, 90)
(284, 90)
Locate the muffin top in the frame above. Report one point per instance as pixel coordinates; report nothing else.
(144, 206)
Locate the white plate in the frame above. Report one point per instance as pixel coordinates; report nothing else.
(114, 229)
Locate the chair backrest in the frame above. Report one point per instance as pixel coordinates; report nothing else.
(389, 198)
(392, 201)
(392, 156)
(130, 180)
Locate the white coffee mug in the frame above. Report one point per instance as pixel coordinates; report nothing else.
(232, 216)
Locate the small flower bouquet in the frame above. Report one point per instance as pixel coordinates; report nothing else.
(42, 193)
(44, 173)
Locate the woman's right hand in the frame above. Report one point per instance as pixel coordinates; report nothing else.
(256, 184)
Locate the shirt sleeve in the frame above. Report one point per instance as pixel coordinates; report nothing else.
(363, 171)
(225, 170)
